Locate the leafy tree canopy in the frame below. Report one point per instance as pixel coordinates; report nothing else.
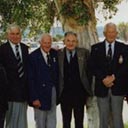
(39, 14)
(108, 7)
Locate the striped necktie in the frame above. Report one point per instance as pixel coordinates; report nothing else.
(19, 62)
(48, 60)
(109, 53)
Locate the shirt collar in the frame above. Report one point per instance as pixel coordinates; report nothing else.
(43, 52)
(107, 43)
(68, 52)
(12, 44)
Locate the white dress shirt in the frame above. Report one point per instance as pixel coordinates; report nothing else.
(44, 55)
(112, 47)
(13, 46)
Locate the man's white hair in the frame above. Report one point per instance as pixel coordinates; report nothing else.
(12, 26)
(110, 24)
(44, 35)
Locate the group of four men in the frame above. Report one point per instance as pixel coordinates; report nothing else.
(47, 77)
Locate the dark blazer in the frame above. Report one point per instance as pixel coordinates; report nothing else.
(98, 65)
(40, 79)
(3, 88)
(17, 88)
(82, 55)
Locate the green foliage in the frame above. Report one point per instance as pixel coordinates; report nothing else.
(126, 125)
(108, 7)
(37, 14)
(77, 10)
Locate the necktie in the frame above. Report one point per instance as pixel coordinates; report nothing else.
(70, 57)
(19, 62)
(109, 55)
(51, 69)
(48, 60)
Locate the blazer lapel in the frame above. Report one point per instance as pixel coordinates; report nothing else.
(41, 58)
(104, 50)
(23, 53)
(115, 56)
(10, 52)
(115, 50)
(102, 53)
(80, 57)
(61, 61)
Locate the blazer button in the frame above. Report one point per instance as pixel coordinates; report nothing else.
(43, 85)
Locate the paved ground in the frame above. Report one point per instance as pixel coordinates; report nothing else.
(31, 122)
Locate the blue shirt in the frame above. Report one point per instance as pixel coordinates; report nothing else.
(68, 54)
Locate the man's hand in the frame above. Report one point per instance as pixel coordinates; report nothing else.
(36, 104)
(108, 81)
(126, 99)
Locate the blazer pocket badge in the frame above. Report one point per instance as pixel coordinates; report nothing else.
(54, 59)
(120, 59)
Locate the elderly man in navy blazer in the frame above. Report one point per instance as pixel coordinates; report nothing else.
(109, 64)
(43, 82)
(14, 57)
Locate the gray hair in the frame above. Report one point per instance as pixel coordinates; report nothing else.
(44, 35)
(12, 26)
(110, 25)
(70, 33)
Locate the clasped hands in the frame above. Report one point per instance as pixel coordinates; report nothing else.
(36, 103)
(108, 80)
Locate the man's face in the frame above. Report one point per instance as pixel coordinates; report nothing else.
(14, 35)
(46, 43)
(110, 34)
(71, 42)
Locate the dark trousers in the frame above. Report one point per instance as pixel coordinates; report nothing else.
(78, 111)
(2, 118)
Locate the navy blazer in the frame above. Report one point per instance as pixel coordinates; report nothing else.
(98, 66)
(17, 88)
(3, 88)
(40, 79)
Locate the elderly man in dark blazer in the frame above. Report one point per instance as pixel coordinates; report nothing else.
(43, 83)
(13, 57)
(73, 80)
(109, 64)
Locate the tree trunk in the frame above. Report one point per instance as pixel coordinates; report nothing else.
(87, 35)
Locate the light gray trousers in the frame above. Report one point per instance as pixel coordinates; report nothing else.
(16, 116)
(110, 106)
(46, 119)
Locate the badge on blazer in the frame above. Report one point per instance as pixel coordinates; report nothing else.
(120, 59)
(54, 59)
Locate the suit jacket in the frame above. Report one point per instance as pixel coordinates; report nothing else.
(3, 88)
(17, 88)
(40, 79)
(98, 66)
(82, 55)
